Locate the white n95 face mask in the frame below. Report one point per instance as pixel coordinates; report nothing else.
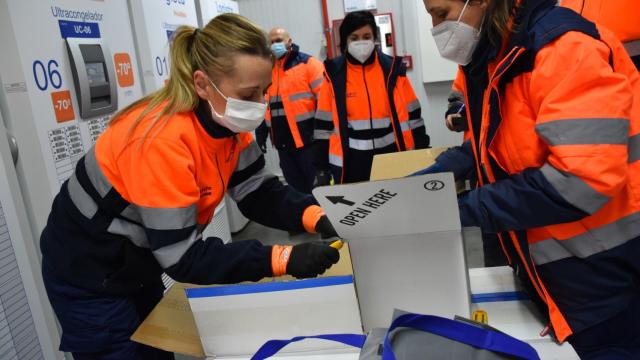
(456, 41)
(361, 49)
(239, 115)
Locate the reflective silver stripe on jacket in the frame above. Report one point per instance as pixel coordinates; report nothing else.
(169, 255)
(335, 160)
(574, 190)
(322, 134)
(132, 231)
(634, 148)
(317, 82)
(80, 198)
(585, 131)
(371, 144)
(365, 124)
(305, 116)
(168, 218)
(248, 156)
(416, 123)
(589, 243)
(97, 178)
(633, 47)
(240, 191)
(301, 95)
(324, 115)
(414, 105)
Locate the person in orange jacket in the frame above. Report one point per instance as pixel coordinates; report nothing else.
(456, 120)
(295, 83)
(366, 106)
(619, 16)
(139, 200)
(553, 113)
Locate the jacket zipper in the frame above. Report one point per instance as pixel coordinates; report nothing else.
(485, 111)
(364, 78)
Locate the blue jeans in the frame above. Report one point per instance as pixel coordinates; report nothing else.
(97, 326)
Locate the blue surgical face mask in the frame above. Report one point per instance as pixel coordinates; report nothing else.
(279, 49)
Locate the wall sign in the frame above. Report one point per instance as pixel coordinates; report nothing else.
(355, 5)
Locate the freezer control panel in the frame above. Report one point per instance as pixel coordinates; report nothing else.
(93, 76)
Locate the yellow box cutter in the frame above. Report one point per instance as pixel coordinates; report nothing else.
(481, 316)
(337, 244)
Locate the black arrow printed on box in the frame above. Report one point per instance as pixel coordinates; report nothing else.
(367, 207)
(340, 200)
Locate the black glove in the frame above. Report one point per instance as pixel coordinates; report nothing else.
(458, 116)
(323, 178)
(325, 229)
(311, 259)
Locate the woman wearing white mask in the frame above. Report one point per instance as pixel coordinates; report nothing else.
(366, 107)
(138, 201)
(553, 113)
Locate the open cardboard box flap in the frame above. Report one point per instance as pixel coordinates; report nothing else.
(405, 237)
(400, 164)
(171, 325)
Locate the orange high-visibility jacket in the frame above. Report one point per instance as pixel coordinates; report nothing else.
(135, 208)
(619, 16)
(365, 109)
(558, 153)
(292, 96)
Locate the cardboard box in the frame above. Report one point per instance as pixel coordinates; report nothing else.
(405, 239)
(171, 325)
(400, 164)
(236, 320)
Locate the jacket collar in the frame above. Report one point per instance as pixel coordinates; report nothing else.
(215, 130)
(524, 16)
(291, 56)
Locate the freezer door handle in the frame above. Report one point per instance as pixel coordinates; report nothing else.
(13, 145)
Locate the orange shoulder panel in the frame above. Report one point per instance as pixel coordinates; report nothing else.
(158, 172)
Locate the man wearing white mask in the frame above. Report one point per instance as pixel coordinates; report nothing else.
(367, 107)
(295, 82)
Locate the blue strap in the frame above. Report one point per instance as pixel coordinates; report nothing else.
(272, 347)
(461, 332)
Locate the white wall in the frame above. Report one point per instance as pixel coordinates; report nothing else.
(303, 19)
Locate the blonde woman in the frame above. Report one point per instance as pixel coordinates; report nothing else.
(138, 201)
